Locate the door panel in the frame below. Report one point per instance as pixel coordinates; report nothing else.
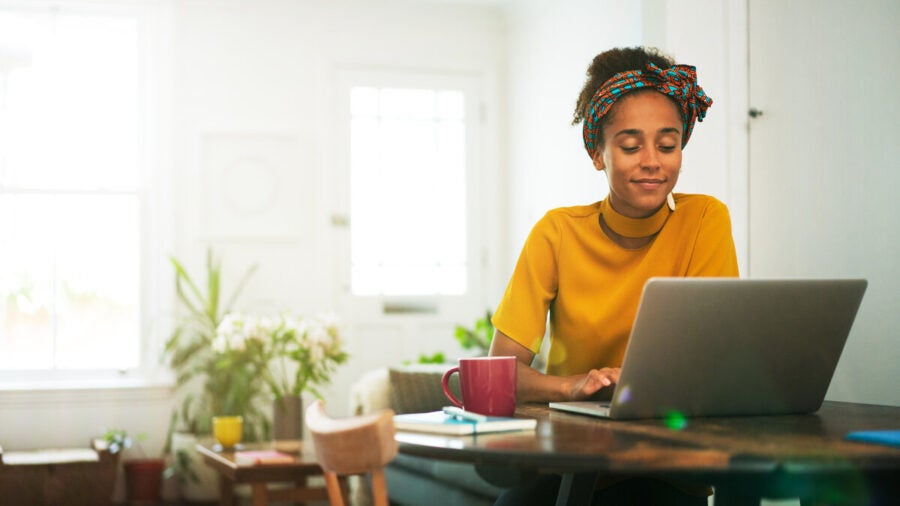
(824, 172)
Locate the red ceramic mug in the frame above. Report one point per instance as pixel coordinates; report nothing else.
(487, 385)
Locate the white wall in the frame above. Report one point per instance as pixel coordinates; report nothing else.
(715, 161)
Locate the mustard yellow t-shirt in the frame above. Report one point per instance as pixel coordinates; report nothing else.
(591, 286)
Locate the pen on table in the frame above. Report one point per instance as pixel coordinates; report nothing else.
(464, 415)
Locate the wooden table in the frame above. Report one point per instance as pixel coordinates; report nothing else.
(260, 476)
(744, 458)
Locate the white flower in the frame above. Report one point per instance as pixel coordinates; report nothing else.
(230, 322)
(303, 327)
(232, 333)
(220, 343)
(317, 335)
(259, 329)
(330, 321)
(290, 323)
(288, 343)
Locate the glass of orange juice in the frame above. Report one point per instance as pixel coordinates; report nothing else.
(227, 430)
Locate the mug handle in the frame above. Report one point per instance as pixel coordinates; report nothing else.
(445, 382)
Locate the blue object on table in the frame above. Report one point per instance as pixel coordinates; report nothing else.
(883, 437)
(464, 415)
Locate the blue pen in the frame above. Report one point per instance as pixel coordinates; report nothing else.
(464, 415)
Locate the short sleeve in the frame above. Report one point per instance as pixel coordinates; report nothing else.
(522, 313)
(714, 254)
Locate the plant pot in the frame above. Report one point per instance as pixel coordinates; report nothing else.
(287, 422)
(143, 480)
(206, 487)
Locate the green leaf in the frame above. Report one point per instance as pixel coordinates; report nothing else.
(436, 358)
(479, 336)
(181, 276)
(213, 281)
(240, 287)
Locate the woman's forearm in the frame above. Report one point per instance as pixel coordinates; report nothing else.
(531, 385)
(535, 386)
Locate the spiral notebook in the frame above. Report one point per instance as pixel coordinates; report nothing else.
(438, 422)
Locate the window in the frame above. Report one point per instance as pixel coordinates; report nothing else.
(73, 183)
(410, 209)
(408, 191)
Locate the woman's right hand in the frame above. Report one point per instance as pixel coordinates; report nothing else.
(586, 385)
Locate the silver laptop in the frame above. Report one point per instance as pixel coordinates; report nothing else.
(726, 346)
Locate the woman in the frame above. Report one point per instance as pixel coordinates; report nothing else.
(585, 266)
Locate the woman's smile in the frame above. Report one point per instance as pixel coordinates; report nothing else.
(650, 184)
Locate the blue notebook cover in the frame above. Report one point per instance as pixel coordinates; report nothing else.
(882, 437)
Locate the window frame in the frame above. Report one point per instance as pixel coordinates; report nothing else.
(416, 307)
(155, 218)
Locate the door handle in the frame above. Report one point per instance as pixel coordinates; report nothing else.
(340, 221)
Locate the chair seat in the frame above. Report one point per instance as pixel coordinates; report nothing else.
(356, 445)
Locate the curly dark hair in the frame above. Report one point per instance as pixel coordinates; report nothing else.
(609, 63)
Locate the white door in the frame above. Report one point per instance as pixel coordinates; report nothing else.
(824, 173)
(410, 213)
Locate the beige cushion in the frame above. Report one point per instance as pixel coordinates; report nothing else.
(54, 456)
(417, 388)
(371, 392)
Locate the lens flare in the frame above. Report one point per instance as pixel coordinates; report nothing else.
(624, 394)
(675, 420)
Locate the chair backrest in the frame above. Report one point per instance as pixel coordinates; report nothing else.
(356, 445)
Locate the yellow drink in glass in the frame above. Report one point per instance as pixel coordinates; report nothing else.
(227, 430)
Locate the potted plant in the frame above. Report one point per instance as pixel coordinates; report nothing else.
(143, 475)
(478, 337)
(211, 380)
(204, 374)
(302, 354)
(296, 355)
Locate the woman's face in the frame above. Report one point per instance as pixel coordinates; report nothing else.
(641, 153)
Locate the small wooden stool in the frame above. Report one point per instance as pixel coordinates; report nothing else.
(356, 445)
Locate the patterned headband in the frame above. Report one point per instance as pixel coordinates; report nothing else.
(678, 82)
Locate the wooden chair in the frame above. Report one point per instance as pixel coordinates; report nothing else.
(349, 446)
